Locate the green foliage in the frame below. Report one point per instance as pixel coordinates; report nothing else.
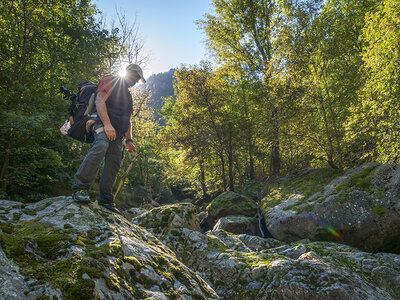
(51, 44)
(381, 54)
(286, 98)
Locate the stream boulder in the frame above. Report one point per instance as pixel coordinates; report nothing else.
(360, 208)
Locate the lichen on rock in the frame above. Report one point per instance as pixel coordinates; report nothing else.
(160, 219)
(73, 251)
(238, 225)
(231, 203)
(305, 270)
(359, 208)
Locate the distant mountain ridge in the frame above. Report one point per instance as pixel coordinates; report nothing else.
(160, 85)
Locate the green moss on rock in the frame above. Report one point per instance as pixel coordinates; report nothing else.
(68, 216)
(16, 216)
(115, 248)
(134, 262)
(341, 187)
(51, 242)
(343, 197)
(6, 227)
(112, 282)
(300, 208)
(379, 209)
(65, 274)
(381, 192)
(306, 185)
(363, 179)
(94, 233)
(180, 275)
(231, 203)
(67, 226)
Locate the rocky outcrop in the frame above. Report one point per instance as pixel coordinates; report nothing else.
(304, 270)
(360, 208)
(231, 203)
(250, 267)
(238, 225)
(228, 204)
(57, 249)
(160, 219)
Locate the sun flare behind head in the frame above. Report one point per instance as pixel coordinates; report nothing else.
(122, 72)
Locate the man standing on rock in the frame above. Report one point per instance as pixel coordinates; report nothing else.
(111, 128)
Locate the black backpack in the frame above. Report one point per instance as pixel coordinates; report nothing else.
(81, 112)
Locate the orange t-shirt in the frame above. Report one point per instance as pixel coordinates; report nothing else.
(105, 85)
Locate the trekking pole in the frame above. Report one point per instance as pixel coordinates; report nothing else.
(123, 177)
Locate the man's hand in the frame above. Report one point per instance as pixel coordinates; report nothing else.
(110, 132)
(130, 147)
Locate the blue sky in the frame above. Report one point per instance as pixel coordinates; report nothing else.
(167, 27)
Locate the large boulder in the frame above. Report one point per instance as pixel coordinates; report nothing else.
(304, 270)
(160, 219)
(230, 203)
(135, 197)
(360, 208)
(238, 225)
(57, 249)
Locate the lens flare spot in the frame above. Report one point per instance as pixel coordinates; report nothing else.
(333, 232)
(122, 72)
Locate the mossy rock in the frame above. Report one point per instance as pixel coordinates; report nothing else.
(238, 225)
(358, 208)
(159, 219)
(305, 186)
(303, 270)
(99, 255)
(231, 203)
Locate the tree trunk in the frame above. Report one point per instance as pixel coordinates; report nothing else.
(203, 177)
(6, 161)
(328, 136)
(251, 158)
(331, 151)
(249, 135)
(275, 157)
(221, 155)
(334, 124)
(230, 160)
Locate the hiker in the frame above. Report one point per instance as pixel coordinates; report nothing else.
(111, 129)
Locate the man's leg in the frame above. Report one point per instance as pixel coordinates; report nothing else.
(87, 172)
(112, 164)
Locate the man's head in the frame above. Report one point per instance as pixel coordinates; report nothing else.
(134, 73)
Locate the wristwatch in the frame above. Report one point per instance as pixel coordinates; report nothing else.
(128, 140)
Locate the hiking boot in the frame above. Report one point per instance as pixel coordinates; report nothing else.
(81, 196)
(110, 207)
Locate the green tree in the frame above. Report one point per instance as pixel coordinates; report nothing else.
(44, 44)
(321, 49)
(379, 114)
(240, 35)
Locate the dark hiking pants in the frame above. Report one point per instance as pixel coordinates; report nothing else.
(112, 153)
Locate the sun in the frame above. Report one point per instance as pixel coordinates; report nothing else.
(122, 72)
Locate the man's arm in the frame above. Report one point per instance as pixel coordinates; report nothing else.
(102, 111)
(128, 134)
(130, 146)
